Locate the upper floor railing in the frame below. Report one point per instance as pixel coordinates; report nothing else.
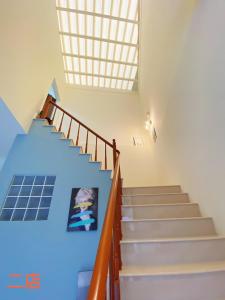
(64, 121)
(108, 258)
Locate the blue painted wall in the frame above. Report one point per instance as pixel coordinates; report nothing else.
(46, 247)
(9, 129)
(53, 91)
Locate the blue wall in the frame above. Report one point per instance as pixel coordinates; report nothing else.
(9, 129)
(46, 247)
(53, 91)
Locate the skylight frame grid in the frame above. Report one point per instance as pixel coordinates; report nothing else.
(123, 49)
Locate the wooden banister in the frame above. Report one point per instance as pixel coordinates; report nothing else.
(49, 111)
(108, 259)
(108, 254)
(80, 123)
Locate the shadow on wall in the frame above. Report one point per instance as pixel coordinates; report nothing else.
(10, 127)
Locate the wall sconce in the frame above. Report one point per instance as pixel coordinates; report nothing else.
(149, 126)
(148, 122)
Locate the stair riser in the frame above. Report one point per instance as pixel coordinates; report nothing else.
(152, 190)
(208, 286)
(155, 199)
(171, 253)
(167, 228)
(162, 211)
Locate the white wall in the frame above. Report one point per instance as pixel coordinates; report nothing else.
(29, 55)
(114, 115)
(190, 116)
(30, 58)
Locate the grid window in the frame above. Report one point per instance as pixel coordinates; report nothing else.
(28, 199)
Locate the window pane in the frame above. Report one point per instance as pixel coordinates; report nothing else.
(10, 202)
(42, 214)
(17, 180)
(6, 214)
(37, 190)
(34, 202)
(22, 202)
(18, 214)
(26, 190)
(39, 180)
(50, 180)
(45, 201)
(14, 191)
(30, 215)
(27, 195)
(29, 180)
(48, 190)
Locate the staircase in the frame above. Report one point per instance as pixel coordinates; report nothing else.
(169, 250)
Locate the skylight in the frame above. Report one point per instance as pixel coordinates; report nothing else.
(99, 42)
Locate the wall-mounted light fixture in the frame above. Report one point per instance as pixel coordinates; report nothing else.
(148, 122)
(149, 126)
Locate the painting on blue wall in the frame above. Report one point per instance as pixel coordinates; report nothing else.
(83, 214)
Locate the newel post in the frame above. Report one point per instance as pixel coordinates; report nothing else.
(114, 153)
(44, 114)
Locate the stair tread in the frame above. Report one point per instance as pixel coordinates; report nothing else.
(159, 204)
(166, 219)
(160, 194)
(182, 269)
(150, 186)
(172, 240)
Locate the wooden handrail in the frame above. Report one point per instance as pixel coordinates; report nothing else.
(108, 259)
(49, 112)
(109, 241)
(82, 124)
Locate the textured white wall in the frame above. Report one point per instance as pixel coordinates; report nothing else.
(29, 55)
(115, 115)
(30, 58)
(190, 112)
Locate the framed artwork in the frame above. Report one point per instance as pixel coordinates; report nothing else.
(83, 213)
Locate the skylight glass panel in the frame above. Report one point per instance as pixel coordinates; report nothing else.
(125, 8)
(98, 6)
(90, 5)
(90, 22)
(72, 4)
(99, 42)
(73, 22)
(105, 29)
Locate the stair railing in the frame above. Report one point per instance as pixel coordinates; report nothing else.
(49, 111)
(108, 258)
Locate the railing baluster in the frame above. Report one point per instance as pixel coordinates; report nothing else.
(68, 134)
(52, 120)
(60, 127)
(86, 146)
(105, 158)
(114, 153)
(78, 134)
(96, 150)
(112, 271)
